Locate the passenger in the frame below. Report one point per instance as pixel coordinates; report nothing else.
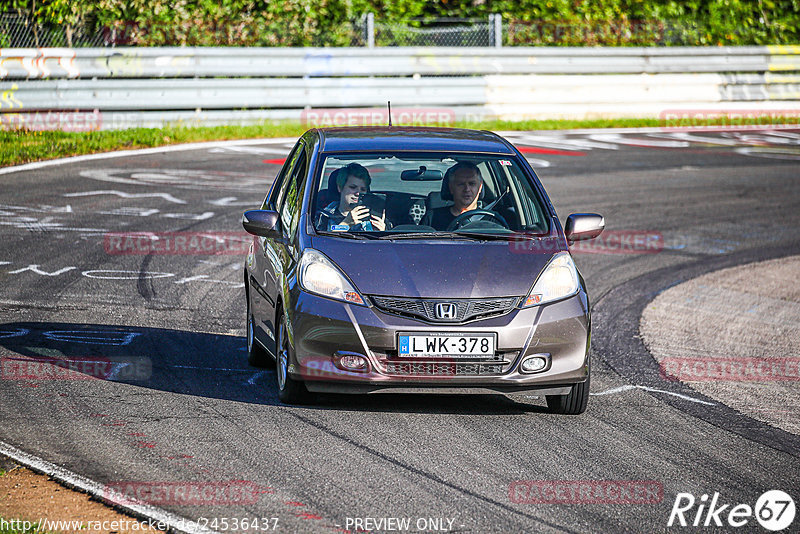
(464, 185)
(345, 215)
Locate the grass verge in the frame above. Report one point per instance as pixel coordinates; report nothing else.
(24, 146)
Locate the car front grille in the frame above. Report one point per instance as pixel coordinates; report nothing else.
(466, 309)
(389, 364)
(443, 369)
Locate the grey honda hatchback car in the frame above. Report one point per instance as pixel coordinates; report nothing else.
(416, 260)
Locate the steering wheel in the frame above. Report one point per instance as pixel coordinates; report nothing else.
(459, 221)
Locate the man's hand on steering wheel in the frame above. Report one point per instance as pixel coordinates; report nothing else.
(463, 218)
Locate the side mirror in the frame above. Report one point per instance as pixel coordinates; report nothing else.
(581, 226)
(262, 223)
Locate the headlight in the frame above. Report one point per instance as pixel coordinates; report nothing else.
(317, 274)
(558, 280)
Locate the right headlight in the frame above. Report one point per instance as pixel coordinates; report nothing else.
(317, 274)
(558, 280)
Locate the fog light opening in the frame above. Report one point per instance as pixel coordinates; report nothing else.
(351, 361)
(535, 363)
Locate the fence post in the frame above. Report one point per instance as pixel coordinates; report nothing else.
(370, 30)
(498, 30)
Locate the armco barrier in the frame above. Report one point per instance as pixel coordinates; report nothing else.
(128, 62)
(153, 86)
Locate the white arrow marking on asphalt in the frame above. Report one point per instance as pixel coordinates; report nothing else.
(562, 143)
(645, 388)
(190, 216)
(92, 337)
(769, 153)
(133, 212)
(692, 138)
(538, 162)
(207, 368)
(638, 141)
(42, 207)
(165, 196)
(253, 378)
(205, 278)
(34, 268)
(110, 274)
(230, 201)
(192, 278)
(13, 333)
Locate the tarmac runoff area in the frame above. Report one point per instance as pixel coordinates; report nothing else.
(734, 335)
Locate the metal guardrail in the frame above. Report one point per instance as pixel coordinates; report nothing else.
(250, 84)
(31, 63)
(239, 93)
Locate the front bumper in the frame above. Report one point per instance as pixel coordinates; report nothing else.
(321, 327)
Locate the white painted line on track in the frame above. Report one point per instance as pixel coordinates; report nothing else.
(141, 152)
(769, 153)
(100, 492)
(208, 368)
(123, 194)
(654, 390)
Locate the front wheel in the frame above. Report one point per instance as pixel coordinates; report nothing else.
(573, 403)
(290, 391)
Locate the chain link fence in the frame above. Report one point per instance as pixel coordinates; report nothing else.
(428, 32)
(18, 32)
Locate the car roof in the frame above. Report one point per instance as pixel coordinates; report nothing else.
(392, 138)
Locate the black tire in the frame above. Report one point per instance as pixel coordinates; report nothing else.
(290, 391)
(574, 403)
(256, 355)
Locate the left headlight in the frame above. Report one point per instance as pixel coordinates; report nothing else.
(558, 280)
(317, 274)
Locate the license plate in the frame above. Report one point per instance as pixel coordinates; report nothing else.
(454, 345)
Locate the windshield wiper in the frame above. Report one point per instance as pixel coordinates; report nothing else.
(485, 237)
(426, 235)
(346, 235)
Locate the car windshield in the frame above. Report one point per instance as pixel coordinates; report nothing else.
(426, 195)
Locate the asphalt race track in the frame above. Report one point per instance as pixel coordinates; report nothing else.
(195, 412)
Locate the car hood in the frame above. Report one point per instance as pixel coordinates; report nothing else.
(441, 269)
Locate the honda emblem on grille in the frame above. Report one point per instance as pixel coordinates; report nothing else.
(446, 310)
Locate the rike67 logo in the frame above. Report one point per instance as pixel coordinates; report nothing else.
(774, 510)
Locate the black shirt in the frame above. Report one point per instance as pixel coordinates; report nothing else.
(439, 218)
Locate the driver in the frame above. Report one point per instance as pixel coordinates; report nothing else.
(465, 185)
